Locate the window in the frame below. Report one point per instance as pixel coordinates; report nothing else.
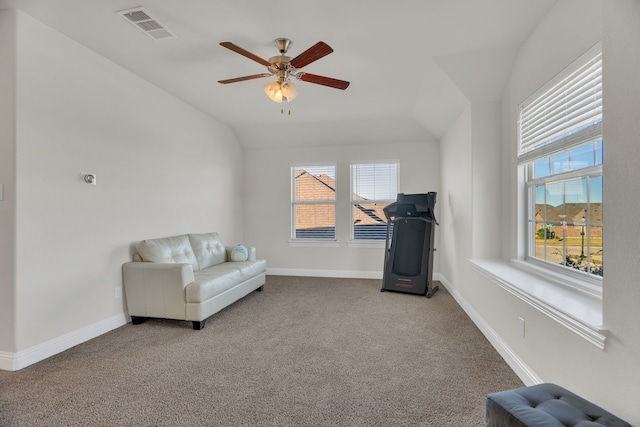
(313, 202)
(560, 182)
(373, 186)
(561, 154)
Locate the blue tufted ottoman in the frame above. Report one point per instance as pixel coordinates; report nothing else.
(545, 405)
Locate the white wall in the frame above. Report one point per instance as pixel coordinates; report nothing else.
(471, 224)
(163, 168)
(549, 351)
(268, 204)
(456, 198)
(486, 172)
(7, 178)
(470, 170)
(621, 89)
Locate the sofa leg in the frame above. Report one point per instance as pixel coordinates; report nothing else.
(136, 320)
(198, 325)
(260, 288)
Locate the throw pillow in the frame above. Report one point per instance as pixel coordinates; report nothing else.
(239, 254)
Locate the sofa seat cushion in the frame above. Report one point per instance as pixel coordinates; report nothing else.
(249, 269)
(174, 249)
(215, 280)
(211, 282)
(208, 249)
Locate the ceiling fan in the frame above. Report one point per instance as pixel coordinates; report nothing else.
(283, 67)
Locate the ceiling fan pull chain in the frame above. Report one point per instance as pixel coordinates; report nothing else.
(282, 112)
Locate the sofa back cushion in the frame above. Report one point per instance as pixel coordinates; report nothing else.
(174, 249)
(208, 249)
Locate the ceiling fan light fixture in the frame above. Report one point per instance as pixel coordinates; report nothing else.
(273, 91)
(289, 91)
(281, 91)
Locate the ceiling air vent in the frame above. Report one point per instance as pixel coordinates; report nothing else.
(149, 25)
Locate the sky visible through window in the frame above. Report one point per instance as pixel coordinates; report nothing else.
(573, 190)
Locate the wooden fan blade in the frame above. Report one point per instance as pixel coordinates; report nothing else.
(241, 51)
(315, 52)
(324, 81)
(241, 79)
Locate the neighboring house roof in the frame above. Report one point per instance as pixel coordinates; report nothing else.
(323, 187)
(573, 212)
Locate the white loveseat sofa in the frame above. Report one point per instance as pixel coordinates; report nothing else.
(188, 277)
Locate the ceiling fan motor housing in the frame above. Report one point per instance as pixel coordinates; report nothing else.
(281, 67)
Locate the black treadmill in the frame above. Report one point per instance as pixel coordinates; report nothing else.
(409, 248)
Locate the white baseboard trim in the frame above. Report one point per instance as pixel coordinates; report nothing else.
(29, 356)
(347, 274)
(522, 370)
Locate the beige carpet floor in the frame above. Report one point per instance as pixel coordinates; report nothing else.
(304, 352)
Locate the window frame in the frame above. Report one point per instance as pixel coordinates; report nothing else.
(312, 241)
(353, 241)
(528, 155)
(589, 281)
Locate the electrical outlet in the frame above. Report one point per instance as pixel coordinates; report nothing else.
(521, 326)
(118, 292)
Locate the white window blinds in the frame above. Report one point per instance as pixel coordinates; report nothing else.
(569, 103)
(374, 181)
(373, 186)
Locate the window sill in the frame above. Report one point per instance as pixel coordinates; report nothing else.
(575, 309)
(314, 243)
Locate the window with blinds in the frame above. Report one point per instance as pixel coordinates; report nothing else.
(313, 202)
(568, 104)
(373, 186)
(560, 148)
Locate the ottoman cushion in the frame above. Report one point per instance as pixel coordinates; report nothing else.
(545, 405)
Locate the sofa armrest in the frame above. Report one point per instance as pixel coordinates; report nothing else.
(252, 253)
(156, 289)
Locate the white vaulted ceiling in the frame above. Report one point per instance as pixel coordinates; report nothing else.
(413, 64)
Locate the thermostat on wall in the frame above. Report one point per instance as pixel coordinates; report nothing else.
(88, 178)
